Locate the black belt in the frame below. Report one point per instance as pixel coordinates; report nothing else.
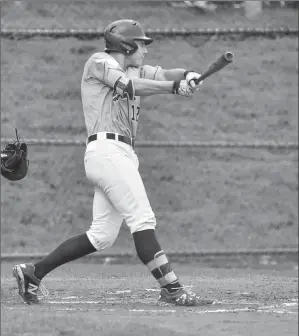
(113, 136)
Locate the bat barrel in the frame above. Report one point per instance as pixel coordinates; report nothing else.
(229, 56)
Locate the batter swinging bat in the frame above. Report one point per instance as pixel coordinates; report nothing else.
(221, 62)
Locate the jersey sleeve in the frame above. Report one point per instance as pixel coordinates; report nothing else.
(106, 70)
(150, 72)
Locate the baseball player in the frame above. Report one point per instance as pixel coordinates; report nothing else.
(112, 83)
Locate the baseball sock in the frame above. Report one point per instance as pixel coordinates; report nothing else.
(150, 253)
(69, 250)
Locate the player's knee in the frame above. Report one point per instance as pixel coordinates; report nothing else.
(101, 239)
(147, 223)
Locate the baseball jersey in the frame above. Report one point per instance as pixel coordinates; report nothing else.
(105, 110)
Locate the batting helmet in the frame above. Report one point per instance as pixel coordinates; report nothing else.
(120, 36)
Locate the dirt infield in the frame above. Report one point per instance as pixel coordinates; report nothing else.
(89, 299)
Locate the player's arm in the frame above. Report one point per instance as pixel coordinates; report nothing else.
(149, 87)
(106, 72)
(171, 74)
(178, 74)
(155, 80)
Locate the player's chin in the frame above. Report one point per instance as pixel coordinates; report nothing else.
(139, 62)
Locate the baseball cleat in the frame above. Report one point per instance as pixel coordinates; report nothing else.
(181, 297)
(29, 285)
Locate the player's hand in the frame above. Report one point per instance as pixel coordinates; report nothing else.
(182, 88)
(191, 77)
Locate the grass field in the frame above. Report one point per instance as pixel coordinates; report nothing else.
(203, 198)
(112, 300)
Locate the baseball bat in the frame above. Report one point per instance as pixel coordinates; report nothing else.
(219, 64)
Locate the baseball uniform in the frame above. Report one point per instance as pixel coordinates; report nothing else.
(112, 166)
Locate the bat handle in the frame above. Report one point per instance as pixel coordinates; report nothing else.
(198, 80)
(201, 78)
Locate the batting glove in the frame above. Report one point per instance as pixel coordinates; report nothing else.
(191, 76)
(182, 88)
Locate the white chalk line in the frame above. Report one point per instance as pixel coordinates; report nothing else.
(271, 308)
(293, 303)
(280, 308)
(163, 311)
(255, 305)
(159, 289)
(70, 297)
(290, 304)
(115, 300)
(119, 292)
(74, 302)
(276, 308)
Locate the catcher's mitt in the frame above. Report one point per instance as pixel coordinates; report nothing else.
(14, 163)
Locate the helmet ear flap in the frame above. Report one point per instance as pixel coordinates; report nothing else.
(120, 44)
(129, 48)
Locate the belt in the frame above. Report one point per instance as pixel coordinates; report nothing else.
(113, 136)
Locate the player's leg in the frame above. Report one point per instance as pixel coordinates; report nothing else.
(129, 197)
(135, 207)
(116, 173)
(122, 183)
(152, 255)
(101, 234)
(29, 275)
(106, 222)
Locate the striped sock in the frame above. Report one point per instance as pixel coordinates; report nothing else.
(162, 271)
